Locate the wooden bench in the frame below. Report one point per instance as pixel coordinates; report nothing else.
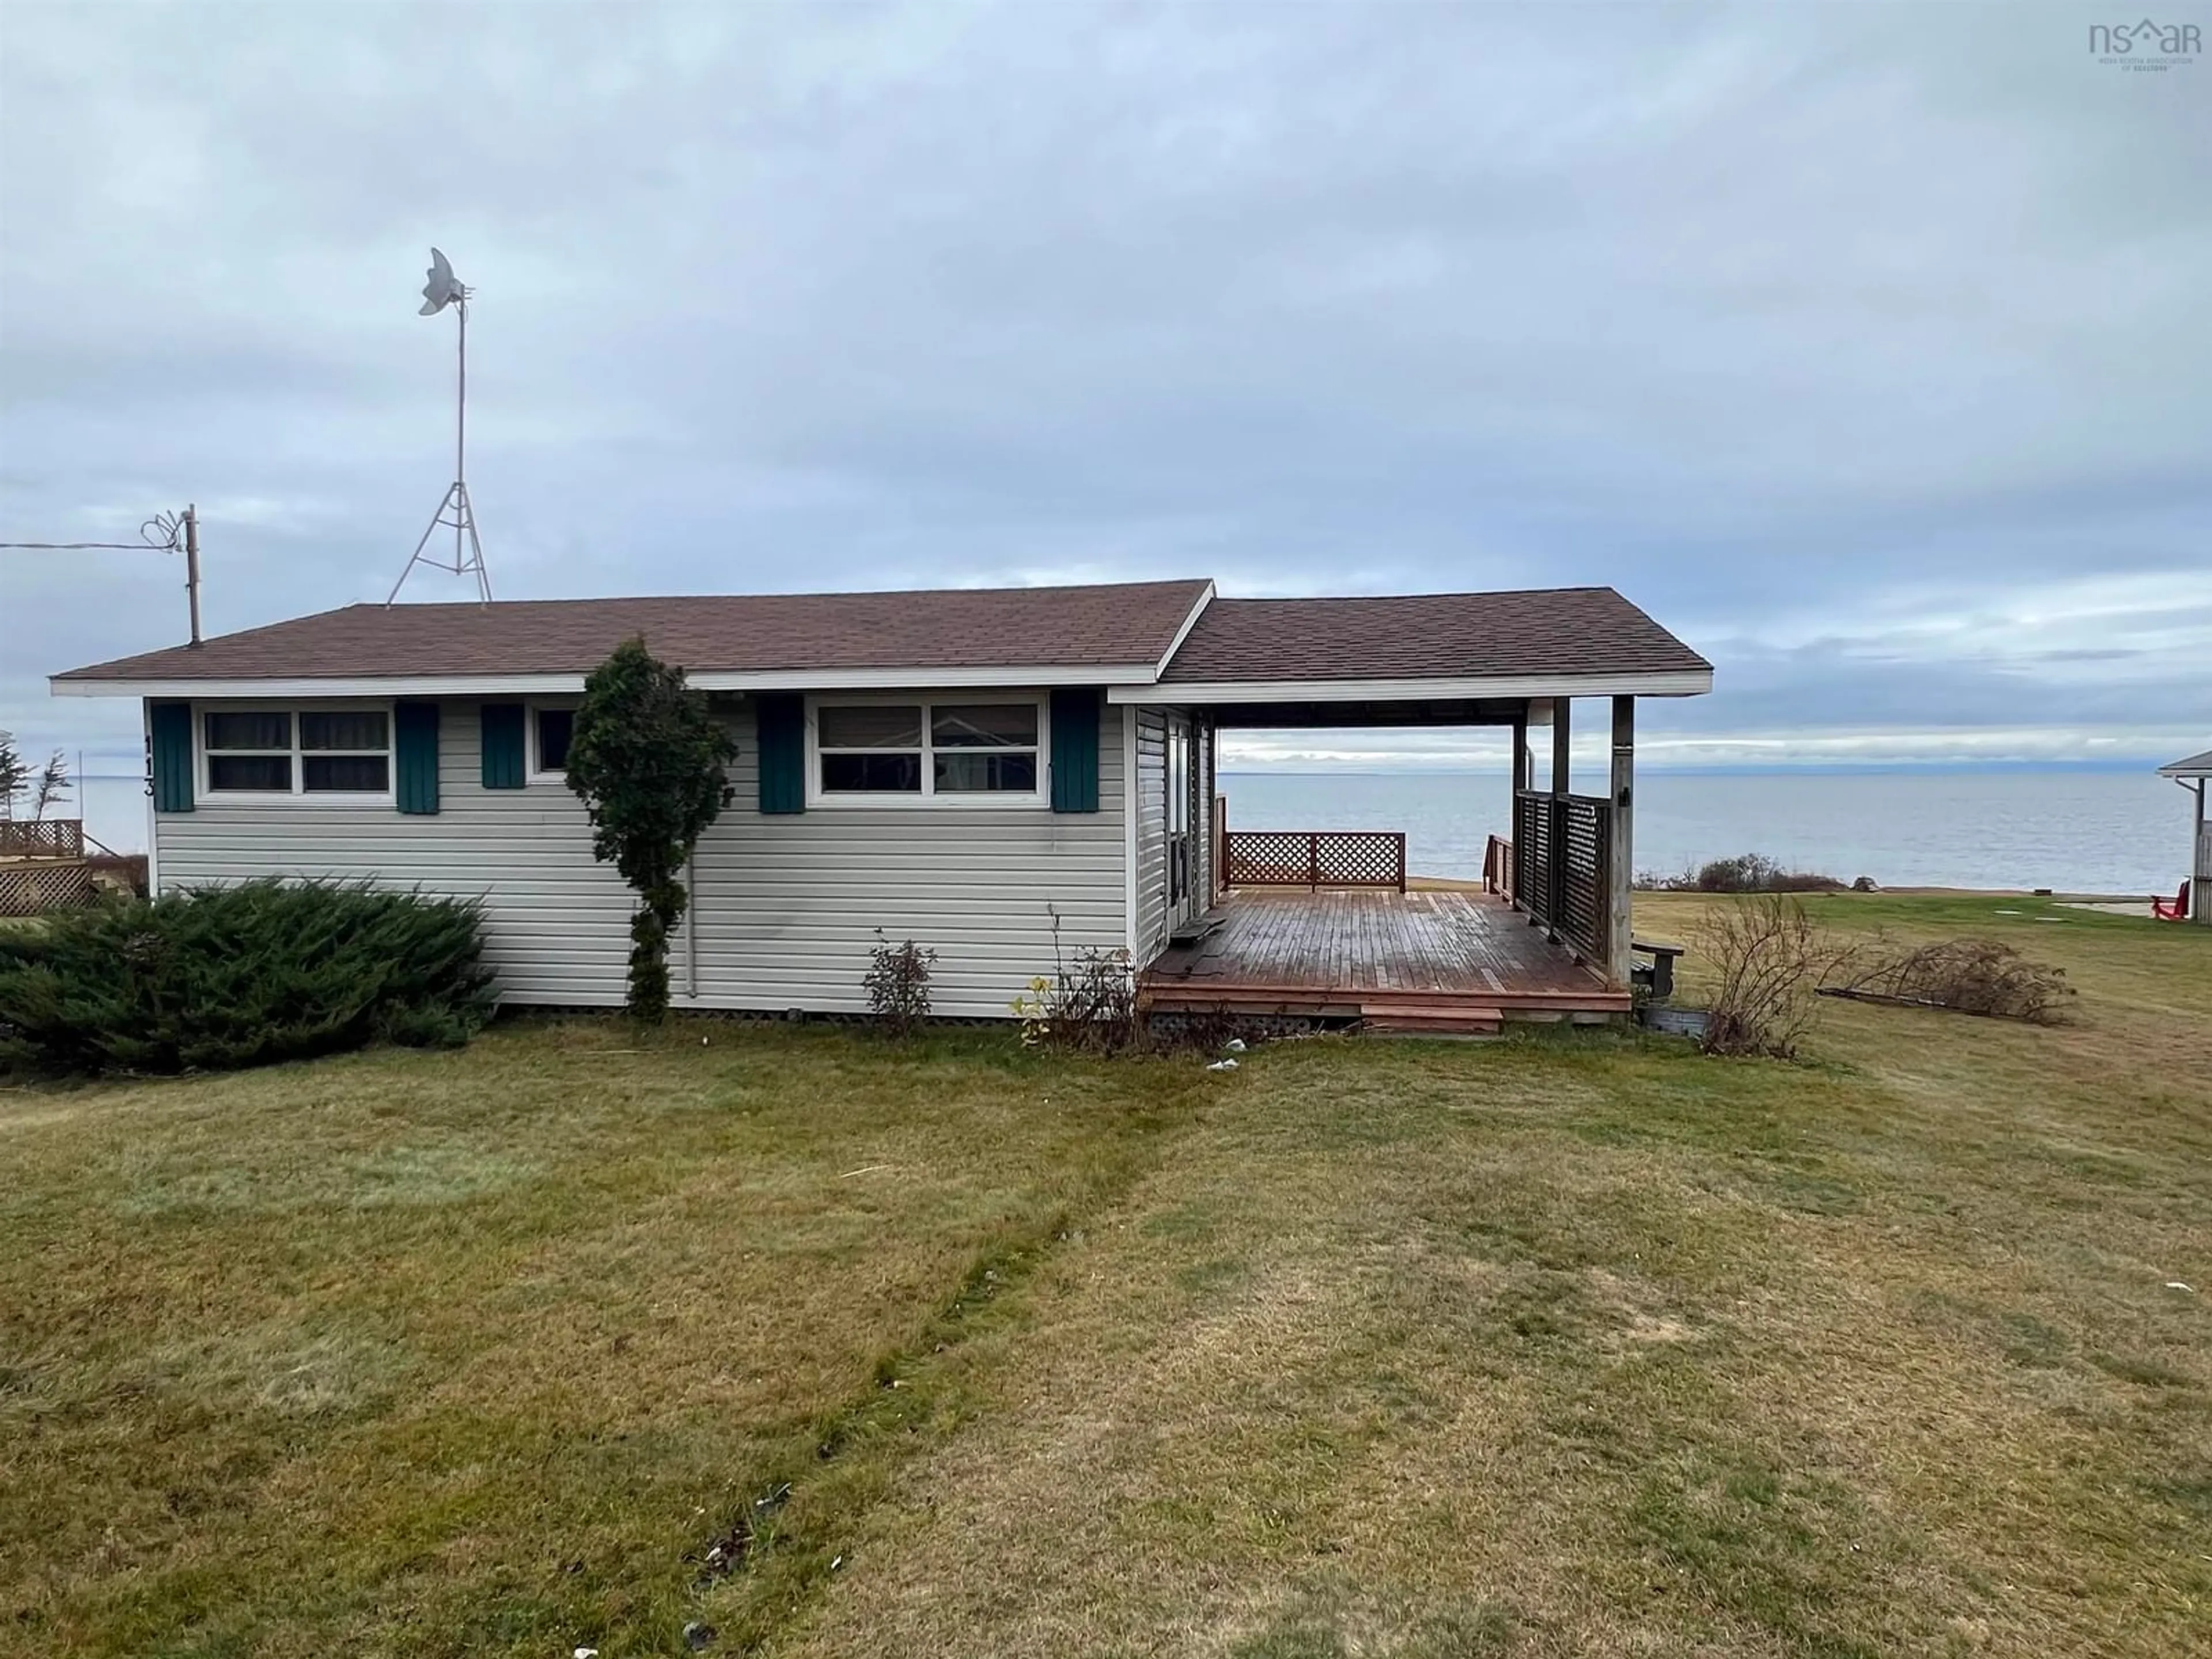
(1657, 976)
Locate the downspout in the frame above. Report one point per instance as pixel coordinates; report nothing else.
(692, 925)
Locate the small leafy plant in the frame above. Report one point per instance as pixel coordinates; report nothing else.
(897, 984)
(1089, 1002)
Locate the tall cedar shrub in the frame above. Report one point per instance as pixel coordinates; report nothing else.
(224, 977)
(650, 762)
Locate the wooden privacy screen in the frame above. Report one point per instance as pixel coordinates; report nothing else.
(1562, 871)
(1531, 853)
(1316, 858)
(1584, 915)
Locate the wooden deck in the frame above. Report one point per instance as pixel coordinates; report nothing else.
(1446, 961)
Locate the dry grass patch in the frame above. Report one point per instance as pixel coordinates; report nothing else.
(1591, 1347)
(421, 1354)
(1569, 1345)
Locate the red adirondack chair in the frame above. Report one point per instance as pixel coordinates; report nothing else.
(2177, 911)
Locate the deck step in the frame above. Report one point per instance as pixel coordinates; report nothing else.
(1199, 996)
(1441, 1019)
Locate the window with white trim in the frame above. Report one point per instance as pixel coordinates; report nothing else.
(922, 750)
(303, 752)
(553, 729)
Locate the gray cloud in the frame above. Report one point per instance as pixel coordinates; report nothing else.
(1866, 348)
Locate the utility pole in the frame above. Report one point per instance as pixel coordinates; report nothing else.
(192, 567)
(165, 532)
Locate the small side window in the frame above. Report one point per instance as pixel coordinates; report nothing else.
(555, 726)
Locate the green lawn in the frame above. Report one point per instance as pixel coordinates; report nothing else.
(1572, 1344)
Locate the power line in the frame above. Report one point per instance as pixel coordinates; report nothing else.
(164, 533)
(72, 547)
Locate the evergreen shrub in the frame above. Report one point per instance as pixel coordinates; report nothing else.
(224, 977)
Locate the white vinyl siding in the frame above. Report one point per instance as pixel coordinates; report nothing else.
(788, 904)
(1151, 798)
(785, 909)
(557, 920)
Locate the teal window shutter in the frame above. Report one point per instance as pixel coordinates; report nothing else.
(782, 718)
(503, 745)
(170, 725)
(1075, 750)
(415, 756)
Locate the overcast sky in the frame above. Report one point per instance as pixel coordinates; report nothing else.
(1868, 348)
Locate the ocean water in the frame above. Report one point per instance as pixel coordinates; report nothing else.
(2103, 832)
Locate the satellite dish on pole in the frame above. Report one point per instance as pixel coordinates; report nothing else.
(443, 289)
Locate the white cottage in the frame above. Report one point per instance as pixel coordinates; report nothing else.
(962, 767)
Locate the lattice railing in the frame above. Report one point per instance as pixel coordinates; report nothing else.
(1316, 858)
(1573, 899)
(41, 838)
(1497, 867)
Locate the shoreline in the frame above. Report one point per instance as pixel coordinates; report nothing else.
(1459, 884)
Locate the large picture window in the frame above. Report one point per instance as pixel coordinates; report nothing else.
(306, 751)
(927, 750)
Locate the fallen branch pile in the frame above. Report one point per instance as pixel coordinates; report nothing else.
(1968, 976)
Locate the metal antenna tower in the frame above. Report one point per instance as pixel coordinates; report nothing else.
(454, 513)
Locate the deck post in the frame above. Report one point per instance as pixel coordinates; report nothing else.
(1621, 854)
(2200, 873)
(1556, 900)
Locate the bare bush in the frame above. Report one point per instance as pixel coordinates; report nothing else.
(1770, 957)
(897, 984)
(1972, 976)
(1747, 872)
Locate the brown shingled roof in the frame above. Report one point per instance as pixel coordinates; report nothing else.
(1561, 630)
(1115, 625)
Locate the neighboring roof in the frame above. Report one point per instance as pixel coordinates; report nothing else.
(1121, 626)
(1524, 634)
(2197, 766)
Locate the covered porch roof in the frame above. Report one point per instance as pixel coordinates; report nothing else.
(2193, 765)
(1426, 658)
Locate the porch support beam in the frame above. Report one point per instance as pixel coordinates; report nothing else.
(1562, 720)
(2200, 872)
(1621, 854)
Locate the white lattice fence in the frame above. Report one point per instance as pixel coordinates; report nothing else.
(41, 838)
(32, 889)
